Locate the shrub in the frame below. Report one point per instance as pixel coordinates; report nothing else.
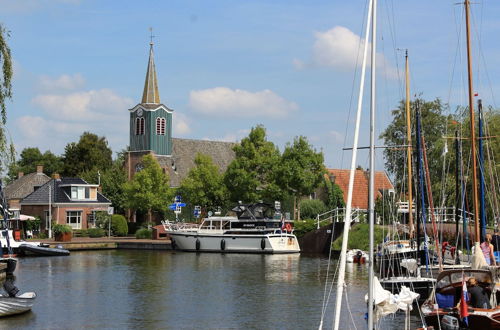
(42, 236)
(359, 237)
(102, 219)
(301, 227)
(61, 229)
(95, 232)
(310, 208)
(119, 225)
(144, 233)
(33, 224)
(81, 233)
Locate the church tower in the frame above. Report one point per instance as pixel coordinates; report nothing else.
(150, 120)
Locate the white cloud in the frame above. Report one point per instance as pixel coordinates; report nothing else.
(63, 82)
(181, 124)
(342, 49)
(223, 101)
(93, 105)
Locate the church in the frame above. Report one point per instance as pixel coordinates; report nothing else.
(151, 133)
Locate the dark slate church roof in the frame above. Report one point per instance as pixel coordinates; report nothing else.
(184, 152)
(58, 194)
(25, 185)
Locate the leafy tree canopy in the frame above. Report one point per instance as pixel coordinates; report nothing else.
(204, 185)
(6, 149)
(30, 158)
(149, 190)
(90, 152)
(301, 169)
(251, 176)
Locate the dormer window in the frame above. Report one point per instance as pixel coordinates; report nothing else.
(83, 193)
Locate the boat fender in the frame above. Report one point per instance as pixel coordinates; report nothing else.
(10, 288)
(198, 244)
(222, 244)
(263, 243)
(174, 244)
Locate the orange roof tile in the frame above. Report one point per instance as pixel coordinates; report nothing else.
(360, 188)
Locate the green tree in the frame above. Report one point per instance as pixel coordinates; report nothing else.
(111, 180)
(310, 208)
(204, 185)
(301, 169)
(90, 152)
(30, 158)
(334, 196)
(7, 151)
(251, 176)
(149, 190)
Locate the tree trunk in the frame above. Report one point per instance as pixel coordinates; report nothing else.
(149, 216)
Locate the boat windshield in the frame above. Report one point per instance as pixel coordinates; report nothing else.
(457, 277)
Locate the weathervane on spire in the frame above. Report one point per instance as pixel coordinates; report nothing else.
(151, 35)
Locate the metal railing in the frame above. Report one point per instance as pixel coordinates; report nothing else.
(338, 215)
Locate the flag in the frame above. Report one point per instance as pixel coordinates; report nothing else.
(463, 304)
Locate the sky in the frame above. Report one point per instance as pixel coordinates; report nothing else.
(226, 66)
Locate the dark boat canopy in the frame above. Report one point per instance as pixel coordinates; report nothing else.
(254, 211)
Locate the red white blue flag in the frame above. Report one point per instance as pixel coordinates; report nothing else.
(463, 304)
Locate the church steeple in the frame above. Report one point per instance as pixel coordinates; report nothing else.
(151, 94)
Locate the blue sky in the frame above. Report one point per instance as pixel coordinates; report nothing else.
(227, 66)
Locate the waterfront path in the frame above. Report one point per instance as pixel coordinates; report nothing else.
(89, 243)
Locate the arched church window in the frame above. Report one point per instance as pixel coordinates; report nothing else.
(160, 126)
(139, 126)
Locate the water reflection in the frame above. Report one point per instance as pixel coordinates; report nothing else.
(170, 290)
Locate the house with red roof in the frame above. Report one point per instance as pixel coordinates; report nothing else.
(361, 181)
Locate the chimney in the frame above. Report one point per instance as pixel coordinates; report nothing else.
(39, 169)
(20, 175)
(56, 176)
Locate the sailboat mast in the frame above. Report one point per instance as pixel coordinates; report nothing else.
(482, 208)
(475, 197)
(347, 221)
(408, 148)
(371, 188)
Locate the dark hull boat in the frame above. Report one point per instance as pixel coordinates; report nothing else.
(34, 250)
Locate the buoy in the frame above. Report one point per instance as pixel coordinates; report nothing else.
(222, 244)
(198, 244)
(263, 243)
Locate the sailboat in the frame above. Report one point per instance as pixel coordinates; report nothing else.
(446, 300)
(401, 268)
(380, 302)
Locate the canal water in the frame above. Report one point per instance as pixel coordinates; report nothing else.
(130, 289)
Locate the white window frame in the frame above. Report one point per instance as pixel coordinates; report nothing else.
(74, 214)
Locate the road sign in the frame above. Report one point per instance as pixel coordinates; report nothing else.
(178, 198)
(111, 209)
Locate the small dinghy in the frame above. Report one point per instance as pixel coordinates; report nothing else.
(29, 249)
(17, 304)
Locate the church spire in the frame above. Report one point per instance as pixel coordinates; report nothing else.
(151, 94)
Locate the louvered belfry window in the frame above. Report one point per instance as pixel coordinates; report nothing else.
(160, 126)
(139, 126)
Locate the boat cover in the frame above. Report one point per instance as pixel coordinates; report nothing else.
(387, 303)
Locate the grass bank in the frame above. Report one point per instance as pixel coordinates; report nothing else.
(359, 237)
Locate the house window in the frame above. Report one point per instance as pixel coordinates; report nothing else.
(139, 126)
(74, 219)
(160, 126)
(80, 193)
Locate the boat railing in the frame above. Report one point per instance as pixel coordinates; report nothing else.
(338, 215)
(176, 225)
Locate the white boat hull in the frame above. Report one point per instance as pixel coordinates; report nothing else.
(16, 305)
(266, 243)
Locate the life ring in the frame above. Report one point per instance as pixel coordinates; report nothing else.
(288, 227)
